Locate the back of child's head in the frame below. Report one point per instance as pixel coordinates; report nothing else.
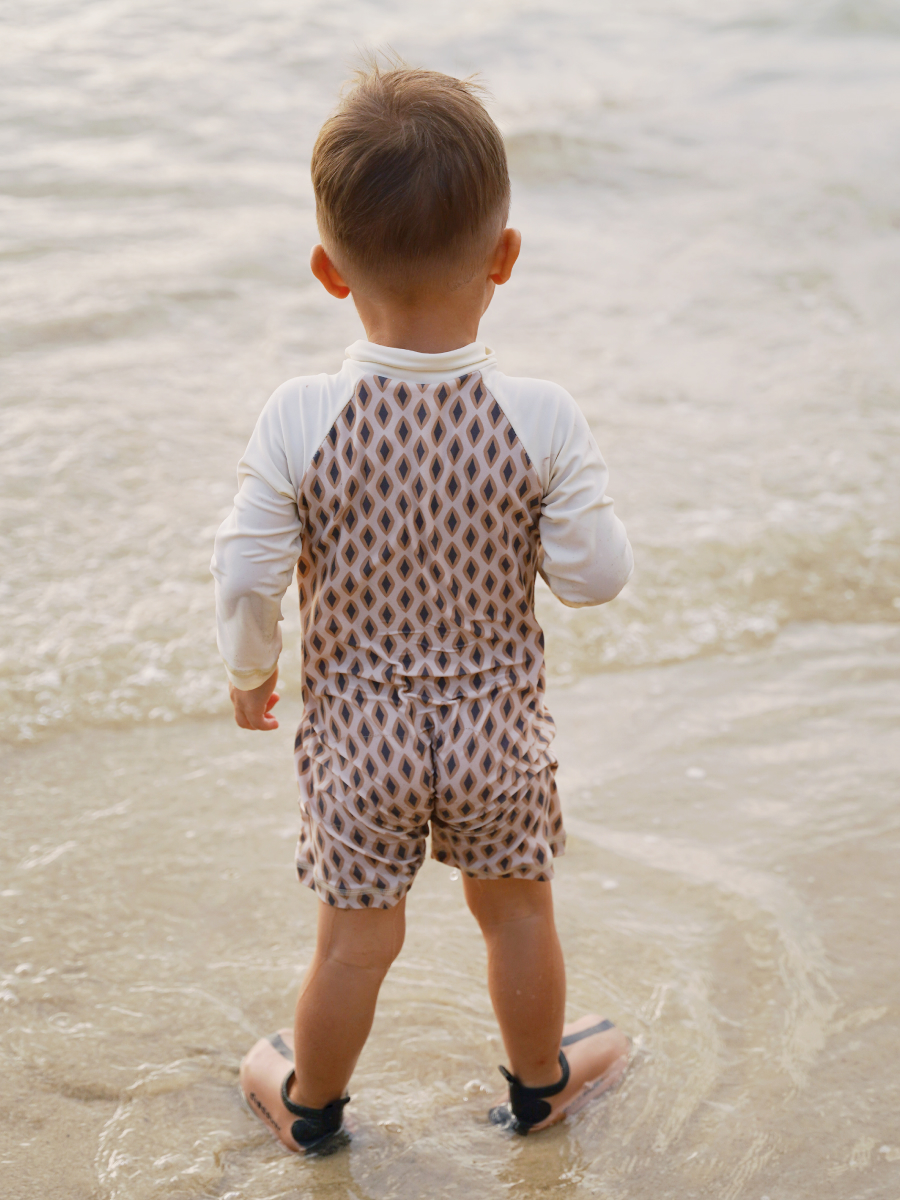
(410, 180)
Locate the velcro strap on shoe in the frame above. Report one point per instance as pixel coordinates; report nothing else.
(312, 1124)
(529, 1105)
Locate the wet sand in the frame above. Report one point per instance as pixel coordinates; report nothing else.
(729, 896)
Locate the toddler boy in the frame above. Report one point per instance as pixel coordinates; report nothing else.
(417, 493)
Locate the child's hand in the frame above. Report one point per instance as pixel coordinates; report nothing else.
(251, 709)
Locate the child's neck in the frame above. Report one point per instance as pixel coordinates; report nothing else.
(424, 338)
(430, 326)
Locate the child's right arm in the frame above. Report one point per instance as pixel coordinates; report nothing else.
(258, 545)
(256, 550)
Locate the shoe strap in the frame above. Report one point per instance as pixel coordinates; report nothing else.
(529, 1105)
(312, 1124)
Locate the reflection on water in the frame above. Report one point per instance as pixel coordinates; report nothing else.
(712, 236)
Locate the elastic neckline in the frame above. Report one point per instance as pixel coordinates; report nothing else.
(410, 364)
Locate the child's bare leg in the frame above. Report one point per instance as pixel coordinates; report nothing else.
(526, 973)
(336, 1006)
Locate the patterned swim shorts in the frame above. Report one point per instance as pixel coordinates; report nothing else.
(365, 819)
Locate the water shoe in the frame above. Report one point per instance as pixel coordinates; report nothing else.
(594, 1057)
(266, 1074)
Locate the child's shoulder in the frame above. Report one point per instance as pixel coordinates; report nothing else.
(294, 423)
(306, 405)
(308, 392)
(545, 417)
(526, 390)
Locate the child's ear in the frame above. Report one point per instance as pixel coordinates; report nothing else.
(327, 273)
(505, 255)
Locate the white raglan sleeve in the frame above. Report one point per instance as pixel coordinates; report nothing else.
(587, 558)
(256, 550)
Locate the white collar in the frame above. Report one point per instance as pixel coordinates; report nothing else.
(411, 365)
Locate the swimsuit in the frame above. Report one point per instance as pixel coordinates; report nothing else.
(417, 496)
(423, 659)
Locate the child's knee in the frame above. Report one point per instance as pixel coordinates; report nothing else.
(363, 939)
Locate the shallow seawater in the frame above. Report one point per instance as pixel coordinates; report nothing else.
(711, 265)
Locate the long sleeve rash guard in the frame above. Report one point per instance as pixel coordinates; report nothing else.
(585, 556)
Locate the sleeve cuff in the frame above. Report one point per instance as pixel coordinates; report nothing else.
(246, 681)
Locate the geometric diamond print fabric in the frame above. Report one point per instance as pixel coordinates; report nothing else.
(423, 660)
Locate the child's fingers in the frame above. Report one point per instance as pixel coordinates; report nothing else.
(273, 699)
(248, 718)
(262, 722)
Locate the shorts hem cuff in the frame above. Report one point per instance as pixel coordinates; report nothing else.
(347, 898)
(523, 871)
